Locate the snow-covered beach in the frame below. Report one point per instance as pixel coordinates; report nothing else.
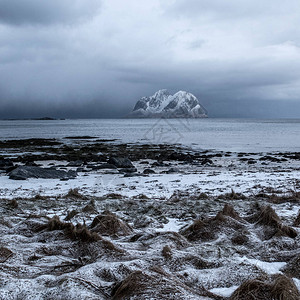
(156, 219)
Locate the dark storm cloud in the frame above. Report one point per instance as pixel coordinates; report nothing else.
(18, 12)
(97, 58)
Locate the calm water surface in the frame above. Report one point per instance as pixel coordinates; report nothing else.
(221, 134)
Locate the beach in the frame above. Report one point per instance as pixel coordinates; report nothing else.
(150, 217)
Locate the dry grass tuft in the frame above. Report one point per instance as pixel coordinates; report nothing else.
(78, 232)
(5, 254)
(74, 194)
(297, 221)
(284, 288)
(287, 231)
(14, 203)
(71, 214)
(166, 252)
(208, 228)
(40, 197)
(135, 283)
(156, 285)
(268, 217)
(229, 210)
(109, 224)
(108, 245)
(199, 230)
(240, 238)
(277, 287)
(232, 196)
(277, 197)
(293, 267)
(113, 196)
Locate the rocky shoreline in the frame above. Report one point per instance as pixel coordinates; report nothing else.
(148, 221)
(89, 154)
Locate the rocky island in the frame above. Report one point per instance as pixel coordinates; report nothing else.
(163, 104)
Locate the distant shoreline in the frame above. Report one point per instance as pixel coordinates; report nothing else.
(33, 119)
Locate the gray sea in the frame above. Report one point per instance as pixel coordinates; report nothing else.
(245, 135)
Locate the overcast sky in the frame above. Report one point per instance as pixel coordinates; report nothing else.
(96, 58)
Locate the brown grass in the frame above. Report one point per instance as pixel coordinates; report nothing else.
(278, 287)
(71, 214)
(14, 203)
(229, 210)
(199, 230)
(293, 267)
(208, 228)
(277, 197)
(240, 238)
(268, 217)
(74, 194)
(158, 285)
(232, 196)
(287, 231)
(5, 254)
(297, 221)
(135, 283)
(109, 224)
(78, 232)
(113, 196)
(166, 252)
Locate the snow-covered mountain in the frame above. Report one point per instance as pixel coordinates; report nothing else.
(163, 104)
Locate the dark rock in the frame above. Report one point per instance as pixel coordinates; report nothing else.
(11, 168)
(173, 170)
(77, 163)
(5, 164)
(149, 171)
(85, 137)
(132, 174)
(128, 170)
(158, 164)
(25, 172)
(71, 174)
(121, 162)
(270, 158)
(104, 166)
(244, 159)
(31, 164)
(207, 161)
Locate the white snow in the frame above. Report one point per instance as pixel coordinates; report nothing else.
(225, 292)
(268, 267)
(172, 225)
(156, 185)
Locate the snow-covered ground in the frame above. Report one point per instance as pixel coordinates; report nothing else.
(38, 261)
(212, 181)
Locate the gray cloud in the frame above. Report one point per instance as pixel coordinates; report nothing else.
(233, 9)
(242, 59)
(19, 12)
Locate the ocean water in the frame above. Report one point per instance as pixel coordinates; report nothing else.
(246, 135)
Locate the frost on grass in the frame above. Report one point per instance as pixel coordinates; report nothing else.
(54, 248)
